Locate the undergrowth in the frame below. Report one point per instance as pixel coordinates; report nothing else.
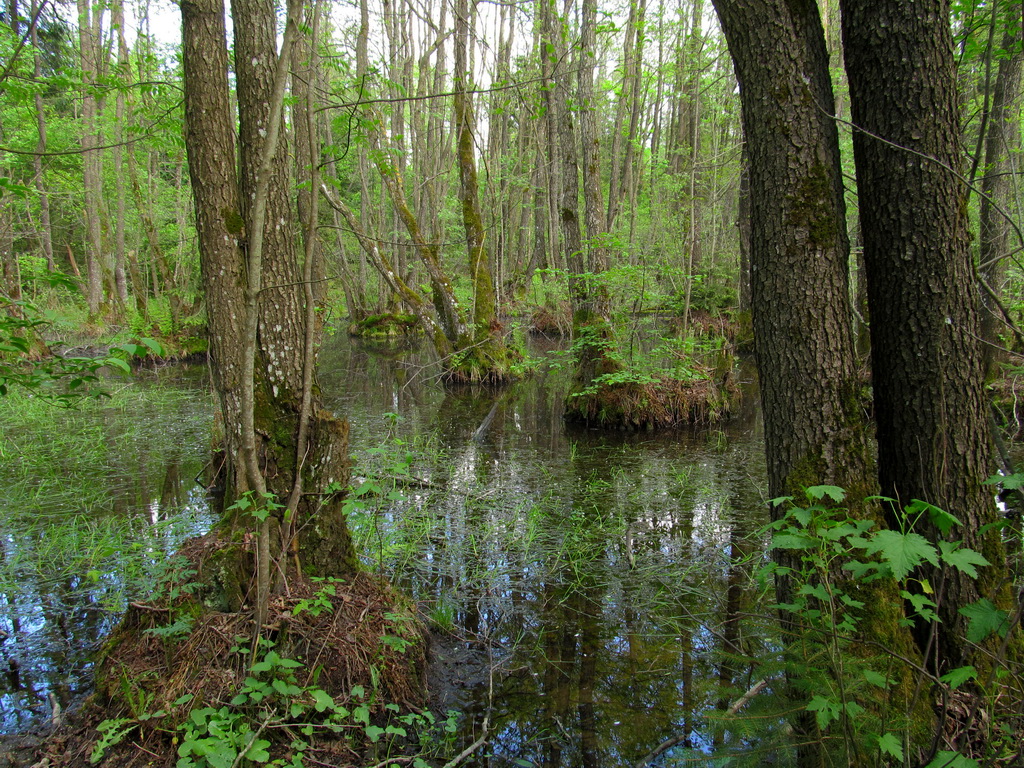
(852, 697)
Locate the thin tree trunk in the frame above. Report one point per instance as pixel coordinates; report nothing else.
(91, 157)
(45, 227)
(1001, 148)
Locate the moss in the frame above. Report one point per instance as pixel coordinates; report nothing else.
(233, 221)
(811, 208)
(384, 325)
(490, 362)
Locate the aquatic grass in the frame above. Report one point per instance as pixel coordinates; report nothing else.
(94, 499)
(70, 461)
(109, 559)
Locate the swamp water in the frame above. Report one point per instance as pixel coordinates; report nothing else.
(580, 579)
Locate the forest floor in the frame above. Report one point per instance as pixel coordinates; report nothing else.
(455, 669)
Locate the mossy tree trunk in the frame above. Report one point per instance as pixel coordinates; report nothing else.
(930, 405)
(483, 355)
(815, 428)
(277, 438)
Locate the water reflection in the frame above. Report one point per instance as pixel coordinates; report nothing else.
(589, 571)
(93, 499)
(584, 577)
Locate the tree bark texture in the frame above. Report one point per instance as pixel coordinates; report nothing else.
(814, 428)
(326, 548)
(933, 439)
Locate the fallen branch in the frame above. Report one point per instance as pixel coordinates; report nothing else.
(735, 707)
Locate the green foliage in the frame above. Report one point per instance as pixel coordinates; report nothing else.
(259, 506)
(112, 732)
(270, 703)
(830, 556)
(61, 380)
(321, 601)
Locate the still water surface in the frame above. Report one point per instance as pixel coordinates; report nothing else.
(583, 577)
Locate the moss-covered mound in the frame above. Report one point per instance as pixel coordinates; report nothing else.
(491, 362)
(553, 322)
(655, 402)
(384, 326)
(333, 668)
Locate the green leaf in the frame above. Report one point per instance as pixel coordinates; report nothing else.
(922, 603)
(373, 732)
(817, 590)
(792, 541)
(957, 677)
(154, 346)
(825, 710)
(1009, 482)
(942, 519)
(984, 619)
(116, 362)
(257, 751)
(876, 678)
(952, 760)
(890, 745)
(902, 551)
(961, 558)
(321, 700)
(802, 516)
(817, 492)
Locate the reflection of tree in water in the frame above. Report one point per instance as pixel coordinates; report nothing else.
(127, 497)
(589, 567)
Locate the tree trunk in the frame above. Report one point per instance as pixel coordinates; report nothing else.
(933, 439)
(815, 430)
(45, 229)
(484, 356)
(279, 389)
(1001, 144)
(118, 256)
(91, 158)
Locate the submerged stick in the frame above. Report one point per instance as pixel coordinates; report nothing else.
(478, 436)
(735, 707)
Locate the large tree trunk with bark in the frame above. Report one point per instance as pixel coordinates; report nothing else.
(815, 428)
(276, 436)
(933, 438)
